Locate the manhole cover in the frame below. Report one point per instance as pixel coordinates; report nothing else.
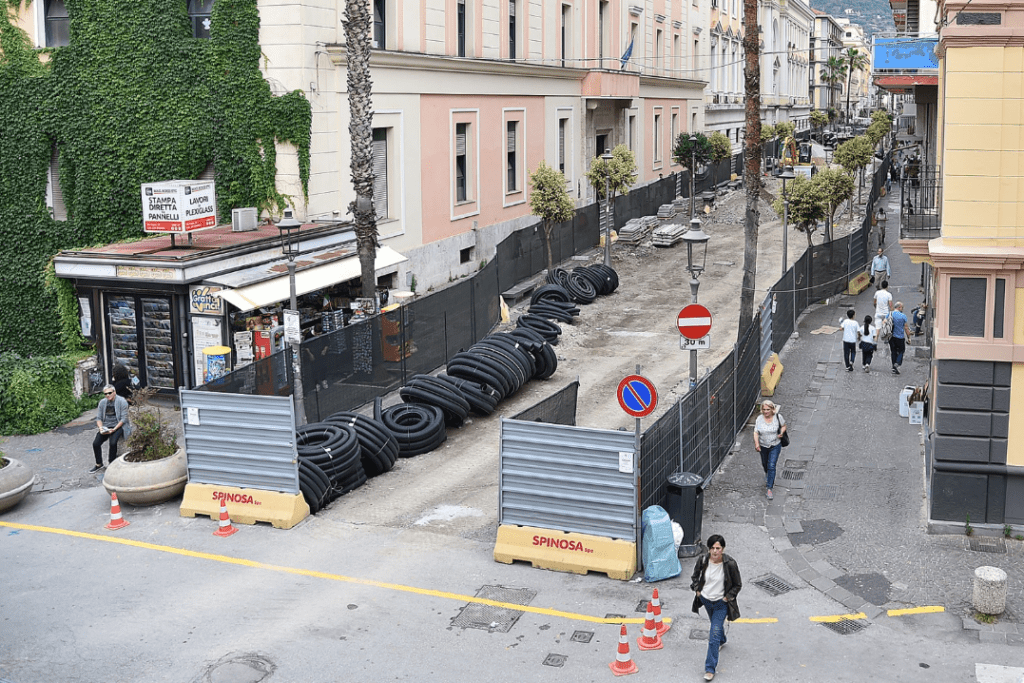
(793, 475)
(988, 545)
(490, 617)
(699, 634)
(773, 585)
(816, 531)
(582, 636)
(555, 660)
(821, 492)
(642, 606)
(845, 626)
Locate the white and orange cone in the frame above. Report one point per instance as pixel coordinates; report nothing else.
(623, 664)
(225, 529)
(116, 520)
(650, 640)
(660, 625)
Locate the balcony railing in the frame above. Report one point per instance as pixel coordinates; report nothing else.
(920, 202)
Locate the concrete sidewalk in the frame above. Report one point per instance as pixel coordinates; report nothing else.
(850, 509)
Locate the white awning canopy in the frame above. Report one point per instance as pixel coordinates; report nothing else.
(308, 280)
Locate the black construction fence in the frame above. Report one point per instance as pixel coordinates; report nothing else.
(558, 408)
(696, 433)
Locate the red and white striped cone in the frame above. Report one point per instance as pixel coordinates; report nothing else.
(116, 520)
(660, 625)
(650, 640)
(623, 664)
(225, 529)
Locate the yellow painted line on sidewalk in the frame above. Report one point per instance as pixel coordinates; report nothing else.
(323, 575)
(833, 618)
(927, 609)
(762, 620)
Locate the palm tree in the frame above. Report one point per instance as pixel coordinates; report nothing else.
(855, 60)
(360, 129)
(832, 73)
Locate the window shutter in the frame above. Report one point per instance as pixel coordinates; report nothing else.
(460, 142)
(511, 137)
(512, 8)
(60, 212)
(380, 177)
(561, 145)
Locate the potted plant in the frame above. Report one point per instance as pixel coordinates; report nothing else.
(16, 481)
(153, 469)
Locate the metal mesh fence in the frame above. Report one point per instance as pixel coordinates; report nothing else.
(785, 306)
(270, 376)
(559, 408)
(829, 268)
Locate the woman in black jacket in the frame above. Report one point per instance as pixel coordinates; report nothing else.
(716, 581)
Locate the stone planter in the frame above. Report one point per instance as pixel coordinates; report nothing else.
(147, 483)
(16, 480)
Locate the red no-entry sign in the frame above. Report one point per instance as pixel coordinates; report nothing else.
(637, 396)
(694, 322)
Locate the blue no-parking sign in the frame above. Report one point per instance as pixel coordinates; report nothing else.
(637, 396)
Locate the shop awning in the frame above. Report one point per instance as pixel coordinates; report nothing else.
(307, 280)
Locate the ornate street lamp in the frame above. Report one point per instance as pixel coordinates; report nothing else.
(289, 229)
(696, 258)
(785, 175)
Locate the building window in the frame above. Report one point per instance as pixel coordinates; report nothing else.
(54, 194)
(659, 48)
(511, 167)
(657, 138)
(566, 33)
(57, 30)
(967, 307)
(602, 31)
(379, 24)
(563, 124)
(461, 21)
(997, 314)
(199, 13)
(461, 162)
(466, 255)
(512, 29)
(677, 56)
(380, 173)
(631, 131)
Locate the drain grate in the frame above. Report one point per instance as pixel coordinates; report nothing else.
(773, 585)
(988, 545)
(699, 634)
(489, 617)
(555, 660)
(821, 492)
(845, 626)
(581, 636)
(614, 616)
(793, 475)
(642, 606)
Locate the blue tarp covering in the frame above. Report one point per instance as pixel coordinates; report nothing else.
(659, 551)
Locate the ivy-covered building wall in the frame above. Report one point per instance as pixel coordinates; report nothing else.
(134, 98)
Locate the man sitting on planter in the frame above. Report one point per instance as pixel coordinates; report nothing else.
(113, 424)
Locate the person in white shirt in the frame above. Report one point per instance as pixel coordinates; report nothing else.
(850, 336)
(883, 303)
(868, 342)
(716, 582)
(880, 269)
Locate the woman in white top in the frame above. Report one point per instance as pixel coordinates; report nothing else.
(868, 342)
(768, 430)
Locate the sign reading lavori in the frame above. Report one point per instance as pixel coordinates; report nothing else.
(179, 206)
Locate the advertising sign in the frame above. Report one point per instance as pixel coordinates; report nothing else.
(179, 206)
(204, 300)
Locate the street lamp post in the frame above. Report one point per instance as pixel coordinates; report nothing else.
(785, 175)
(289, 227)
(693, 172)
(607, 158)
(696, 240)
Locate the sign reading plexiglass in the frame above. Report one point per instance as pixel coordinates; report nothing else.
(179, 206)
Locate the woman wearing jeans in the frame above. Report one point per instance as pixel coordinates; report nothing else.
(716, 581)
(768, 429)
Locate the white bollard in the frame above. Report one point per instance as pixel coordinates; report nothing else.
(989, 590)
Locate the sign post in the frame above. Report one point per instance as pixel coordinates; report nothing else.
(694, 324)
(638, 397)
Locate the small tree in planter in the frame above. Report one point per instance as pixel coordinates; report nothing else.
(854, 155)
(620, 171)
(16, 481)
(836, 186)
(721, 149)
(684, 151)
(549, 201)
(806, 205)
(819, 120)
(151, 437)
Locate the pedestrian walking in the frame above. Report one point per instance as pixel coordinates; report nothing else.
(716, 582)
(768, 430)
(880, 268)
(898, 342)
(868, 342)
(918, 316)
(850, 336)
(883, 303)
(112, 424)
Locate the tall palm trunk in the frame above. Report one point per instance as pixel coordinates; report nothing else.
(752, 168)
(849, 86)
(360, 129)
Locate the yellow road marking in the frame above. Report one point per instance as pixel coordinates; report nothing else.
(833, 618)
(927, 609)
(763, 620)
(323, 575)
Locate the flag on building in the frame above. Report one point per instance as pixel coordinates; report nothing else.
(626, 55)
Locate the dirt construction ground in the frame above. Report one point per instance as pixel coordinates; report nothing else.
(454, 489)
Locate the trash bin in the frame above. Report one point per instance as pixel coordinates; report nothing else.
(685, 505)
(905, 401)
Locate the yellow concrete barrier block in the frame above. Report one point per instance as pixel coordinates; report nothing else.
(615, 238)
(858, 284)
(245, 506)
(771, 373)
(566, 552)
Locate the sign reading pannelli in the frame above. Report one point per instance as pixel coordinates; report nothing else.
(179, 206)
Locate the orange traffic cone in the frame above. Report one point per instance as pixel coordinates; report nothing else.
(623, 664)
(225, 529)
(650, 640)
(660, 625)
(116, 520)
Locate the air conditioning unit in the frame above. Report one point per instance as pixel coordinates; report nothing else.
(244, 220)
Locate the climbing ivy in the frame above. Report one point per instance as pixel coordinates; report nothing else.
(133, 99)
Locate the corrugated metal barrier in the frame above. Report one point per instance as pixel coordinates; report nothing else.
(240, 440)
(566, 478)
